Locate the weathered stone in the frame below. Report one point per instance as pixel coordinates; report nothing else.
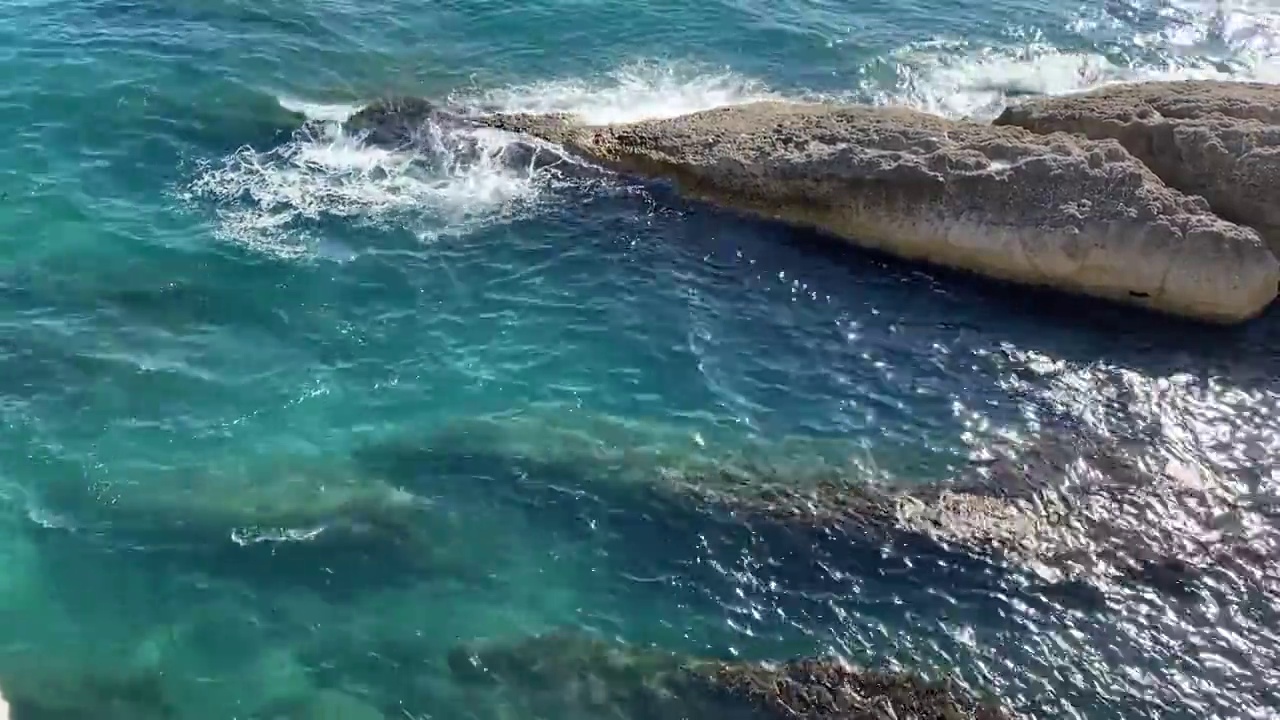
(1216, 139)
(569, 674)
(1061, 211)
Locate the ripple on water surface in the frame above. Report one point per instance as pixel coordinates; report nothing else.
(289, 419)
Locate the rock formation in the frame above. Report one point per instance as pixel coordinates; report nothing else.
(1061, 211)
(1219, 140)
(572, 675)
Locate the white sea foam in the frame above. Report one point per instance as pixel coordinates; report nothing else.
(638, 91)
(979, 85)
(1178, 39)
(270, 198)
(332, 112)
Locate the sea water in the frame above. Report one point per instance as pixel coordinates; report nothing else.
(214, 320)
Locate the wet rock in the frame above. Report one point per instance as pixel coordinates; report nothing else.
(1216, 139)
(454, 135)
(1061, 211)
(568, 674)
(399, 121)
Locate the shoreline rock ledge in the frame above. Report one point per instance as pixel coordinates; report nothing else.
(1061, 211)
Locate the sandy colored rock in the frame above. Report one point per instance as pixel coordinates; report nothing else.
(1061, 211)
(1219, 140)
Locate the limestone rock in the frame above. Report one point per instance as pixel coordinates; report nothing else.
(1061, 211)
(1219, 140)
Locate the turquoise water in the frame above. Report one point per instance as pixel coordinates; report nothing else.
(212, 325)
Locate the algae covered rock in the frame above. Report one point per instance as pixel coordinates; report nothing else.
(1066, 212)
(1216, 139)
(569, 674)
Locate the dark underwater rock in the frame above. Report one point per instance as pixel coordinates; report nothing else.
(67, 694)
(571, 675)
(1068, 508)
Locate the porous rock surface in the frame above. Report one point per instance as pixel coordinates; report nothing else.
(1216, 139)
(1075, 214)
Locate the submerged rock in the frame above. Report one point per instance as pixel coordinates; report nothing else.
(571, 675)
(325, 704)
(69, 694)
(1127, 525)
(315, 523)
(1061, 211)
(1068, 508)
(1216, 139)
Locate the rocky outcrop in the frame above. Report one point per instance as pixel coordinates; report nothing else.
(573, 675)
(1219, 140)
(1060, 211)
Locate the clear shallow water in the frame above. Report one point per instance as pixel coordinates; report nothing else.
(208, 317)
